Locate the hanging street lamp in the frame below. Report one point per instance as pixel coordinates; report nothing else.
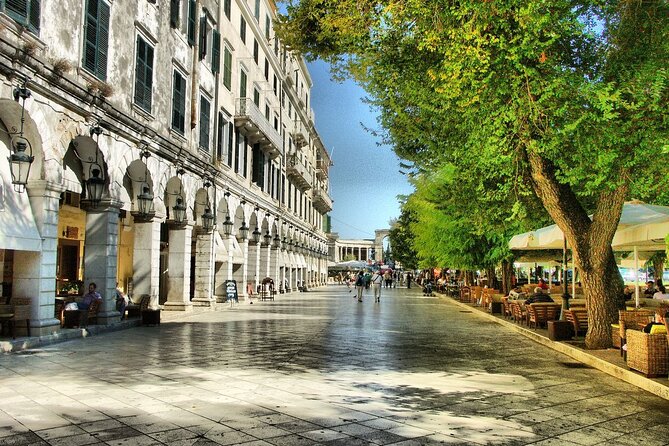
(19, 160)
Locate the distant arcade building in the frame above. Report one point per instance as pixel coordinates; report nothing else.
(357, 249)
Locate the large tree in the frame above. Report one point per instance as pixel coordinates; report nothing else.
(571, 95)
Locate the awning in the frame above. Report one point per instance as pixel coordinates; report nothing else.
(301, 263)
(292, 262)
(220, 253)
(17, 224)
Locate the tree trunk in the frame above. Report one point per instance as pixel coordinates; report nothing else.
(492, 278)
(507, 271)
(658, 267)
(590, 241)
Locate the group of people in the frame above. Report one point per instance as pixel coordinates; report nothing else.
(94, 295)
(364, 280)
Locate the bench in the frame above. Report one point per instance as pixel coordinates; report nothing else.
(135, 309)
(541, 312)
(579, 319)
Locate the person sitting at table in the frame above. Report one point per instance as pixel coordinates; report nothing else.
(661, 293)
(650, 289)
(516, 293)
(628, 292)
(659, 325)
(538, 296)
(542, 284)
(89, 297)
(121, 301)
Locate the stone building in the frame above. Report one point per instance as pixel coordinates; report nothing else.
(171, 147)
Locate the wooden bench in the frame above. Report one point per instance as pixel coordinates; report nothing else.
(541, 312)
(135, 309)
(579, 319)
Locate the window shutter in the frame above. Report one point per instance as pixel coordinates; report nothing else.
(90, 37)
(103, 41)
(144, 75)
(227, 68)
(227, 8)
(203, 37)
(175, 5)
(204, 123)
(18, 10)
(216, 52)
(178, 103)
(191, 22)
(34, 16)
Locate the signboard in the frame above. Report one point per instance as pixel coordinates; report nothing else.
(231, 291)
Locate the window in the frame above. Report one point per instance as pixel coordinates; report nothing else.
(242, 29)
(242, 83)
(258, 167)
(266, 70)
(205, 108)
(256, 96)
(204, 33)
(268, 26)
(257, 11)
(267, 111)
(275, 86)
(143, 75)
(226, 8)
(255, 51)
(178, 103)
(25, 12)
(215, 52)
(96, 38)
(227, 67)
(175, 6)
(232, 131)
(190, 29)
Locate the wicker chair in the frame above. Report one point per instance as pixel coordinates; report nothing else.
(579, 319)
(629, 319)
(21, 307)
(135, 309)
(541, 312)
(465, 294)
(506, 308)
(647, 353)
(518, 312)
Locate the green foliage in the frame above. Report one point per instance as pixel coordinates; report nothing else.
(402, 240)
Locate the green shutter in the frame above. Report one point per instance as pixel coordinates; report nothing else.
(178, 103)
(227, 8)
(25, 12)
(216, 52)
(204, 122)
(203, 37)
(175, 6)
(227, 68)
(144, 75)
(242, 84)
(34, 16)
(191, 22)
(96, 38)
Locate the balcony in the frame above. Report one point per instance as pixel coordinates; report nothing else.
(322, 169)
(252, 123)
(298, 173)
(322, 201)
(299, 134)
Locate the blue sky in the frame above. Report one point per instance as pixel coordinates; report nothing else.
(365, 179)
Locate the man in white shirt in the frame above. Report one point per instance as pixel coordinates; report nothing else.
(377, 280)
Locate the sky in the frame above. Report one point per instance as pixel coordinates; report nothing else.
(365, 179)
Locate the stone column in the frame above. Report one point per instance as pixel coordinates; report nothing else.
(100, 256)
(178, 269)
(273, 265)
(254, 264)
(268, 263)
(245, 270)
(204, 270)
(146, 260)
(36, 277)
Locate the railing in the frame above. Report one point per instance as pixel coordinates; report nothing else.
(247, 113)
(298, 172)
(322, 200)
(322, 169)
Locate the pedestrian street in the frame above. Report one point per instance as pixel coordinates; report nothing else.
(319, 368)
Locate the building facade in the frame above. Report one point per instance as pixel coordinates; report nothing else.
(365, 250)
(171, 147)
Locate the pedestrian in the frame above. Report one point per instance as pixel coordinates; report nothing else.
(377, 280)
(360, 285)
(409, 277)
(121, 301)
(387, 278)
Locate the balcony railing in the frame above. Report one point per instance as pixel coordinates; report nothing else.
(322, 169)
(298, 173)
(322, 201)
(250, 121)
(299, 134)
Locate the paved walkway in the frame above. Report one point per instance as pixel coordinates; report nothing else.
(320, 368)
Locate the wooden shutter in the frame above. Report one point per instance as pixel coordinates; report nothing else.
(34, 16)
(103, 41)
(204, 122)
(91, 35)
(216, 52)
(175, 6)
(144, 75)
(191, 22)
(18, 10)
(203, 37)
(178, 103)
(96, 39)
(227, 68)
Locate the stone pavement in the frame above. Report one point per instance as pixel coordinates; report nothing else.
(319, 368)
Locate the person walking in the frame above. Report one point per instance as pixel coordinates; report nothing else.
(377, 280)
(360, 284)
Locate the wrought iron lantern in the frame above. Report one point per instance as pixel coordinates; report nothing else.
(95, 184)
(267, 238)
(227, 225)
(208, 220)
(256, 234)
(145, 198)
(20, 160)
(179, 211)
(276, 241)
(244, 231)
